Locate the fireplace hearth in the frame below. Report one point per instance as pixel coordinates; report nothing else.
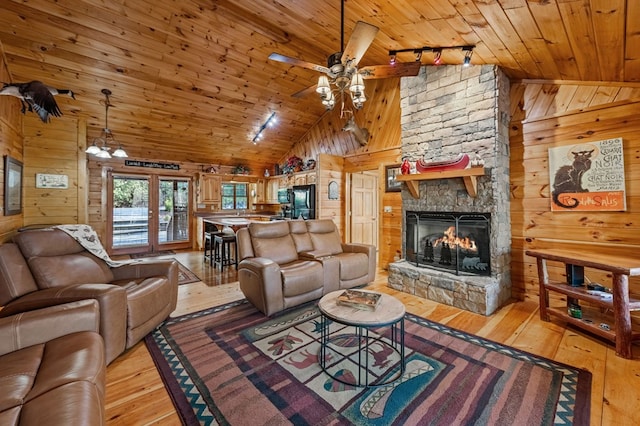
(451, 242)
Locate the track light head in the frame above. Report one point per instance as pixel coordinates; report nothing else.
(437, 56)
(392, 57)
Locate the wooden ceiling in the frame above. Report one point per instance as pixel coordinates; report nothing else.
(191, 80)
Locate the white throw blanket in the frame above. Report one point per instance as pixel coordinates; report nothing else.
(87, 237)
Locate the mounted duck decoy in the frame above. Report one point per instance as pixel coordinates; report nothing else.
(37, 96)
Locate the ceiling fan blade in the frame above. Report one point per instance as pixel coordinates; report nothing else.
(361, 38)
(399, 69)
(299, 63)
(304, 92)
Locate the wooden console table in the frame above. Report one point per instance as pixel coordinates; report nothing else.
(621, 268)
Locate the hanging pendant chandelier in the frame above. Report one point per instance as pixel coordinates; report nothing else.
(100, 147)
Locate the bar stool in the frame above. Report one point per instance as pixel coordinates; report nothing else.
(208, 247)
(210, 231)
(222, 250)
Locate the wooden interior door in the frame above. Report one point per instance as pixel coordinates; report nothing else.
(363, 220)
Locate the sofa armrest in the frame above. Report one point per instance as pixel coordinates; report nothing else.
(145, 269)
(314, 254)
(261, 283)
(41, 325)
(111, 299)
(154, 268)
(369, 250)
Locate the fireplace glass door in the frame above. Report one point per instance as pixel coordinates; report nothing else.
(451, 242)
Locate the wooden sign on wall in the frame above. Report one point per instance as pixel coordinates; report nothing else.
(588, 177)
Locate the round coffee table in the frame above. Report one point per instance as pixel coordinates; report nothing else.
(369, 328)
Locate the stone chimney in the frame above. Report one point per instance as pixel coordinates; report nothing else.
(449, 110)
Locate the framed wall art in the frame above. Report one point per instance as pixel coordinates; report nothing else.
(44, 180)
(390, 182)
(12, 186)
(588, 177)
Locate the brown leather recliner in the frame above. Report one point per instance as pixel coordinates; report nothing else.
(284, 264)
(133, 299)
(52, 366)
(272, 276)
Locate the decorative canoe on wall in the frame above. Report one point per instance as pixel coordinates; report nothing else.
(459, 162)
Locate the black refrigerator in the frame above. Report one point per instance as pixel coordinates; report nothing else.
(303, 202)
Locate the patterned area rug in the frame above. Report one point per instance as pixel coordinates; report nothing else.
(185, 276)
(232, 365)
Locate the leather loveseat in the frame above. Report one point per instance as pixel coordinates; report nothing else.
(52, 366)
(47, 267)
(287, 263)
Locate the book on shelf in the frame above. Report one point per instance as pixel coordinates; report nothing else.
(359, 299)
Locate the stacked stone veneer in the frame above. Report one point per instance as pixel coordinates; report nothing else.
(448, 110)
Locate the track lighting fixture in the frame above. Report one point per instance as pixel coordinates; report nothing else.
(437, 56)
(468, 51)
(437, 53)
(269, 123)
(392, 57)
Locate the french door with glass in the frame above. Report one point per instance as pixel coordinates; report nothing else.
(148, 213)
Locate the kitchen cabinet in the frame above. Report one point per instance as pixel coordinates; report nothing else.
(271, 189)
(210, 188)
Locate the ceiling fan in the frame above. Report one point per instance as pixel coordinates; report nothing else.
(342, 67)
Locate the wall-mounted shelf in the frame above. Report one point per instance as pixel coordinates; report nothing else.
(469, 176)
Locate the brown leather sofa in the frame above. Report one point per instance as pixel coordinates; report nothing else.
(286, 263)
(48, 267)
(52, 366)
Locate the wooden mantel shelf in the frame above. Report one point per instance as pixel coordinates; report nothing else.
(468, 175)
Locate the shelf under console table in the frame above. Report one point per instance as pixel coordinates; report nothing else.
(621, 268)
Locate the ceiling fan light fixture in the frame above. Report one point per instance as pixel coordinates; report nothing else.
(323, 85)
(329, 100)
(357, 83)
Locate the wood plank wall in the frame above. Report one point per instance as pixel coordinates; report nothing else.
(10, 144)
(551, 114)
(54, 148)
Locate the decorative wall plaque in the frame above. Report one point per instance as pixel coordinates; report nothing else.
(44, 180)
(333, 190)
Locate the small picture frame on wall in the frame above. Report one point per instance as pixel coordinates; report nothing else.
(390, 182)
(44, 180)
(12, 186)
(333, 190)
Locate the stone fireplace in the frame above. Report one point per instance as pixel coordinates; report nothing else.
(446, 111)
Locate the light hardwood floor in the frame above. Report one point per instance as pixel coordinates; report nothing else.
(135, 393)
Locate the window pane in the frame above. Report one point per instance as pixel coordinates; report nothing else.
(241, 190)
(241, 203)
(227, 203)
(227, 189)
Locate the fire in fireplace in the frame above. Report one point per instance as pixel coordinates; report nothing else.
(452, 242)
